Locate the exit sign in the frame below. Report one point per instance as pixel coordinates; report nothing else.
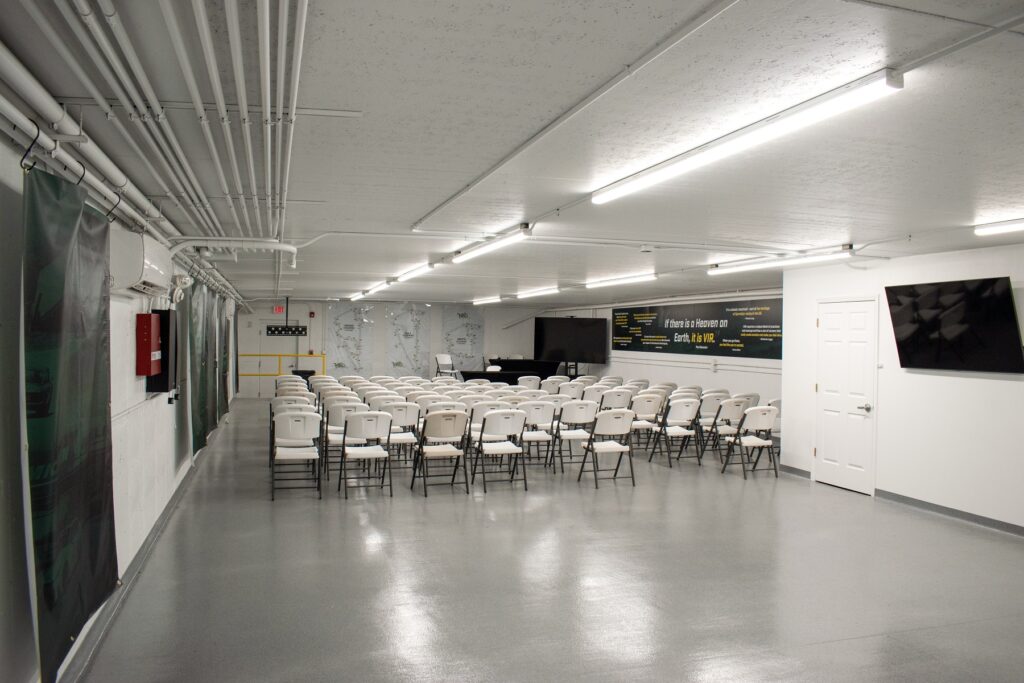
(278, 310)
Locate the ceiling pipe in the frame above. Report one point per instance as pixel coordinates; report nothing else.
(174, 29)
(73, 63)
(301, 10)
(210, 56)
(263, 20)
(128, 49)
(94, 41)
(279, 84)
(256, 244)
(238, 65)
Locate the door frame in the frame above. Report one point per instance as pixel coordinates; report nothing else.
(873, 298)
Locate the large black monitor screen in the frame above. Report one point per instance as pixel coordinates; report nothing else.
(576, 340)
(966, 325)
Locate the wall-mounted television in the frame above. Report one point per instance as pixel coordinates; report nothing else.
(573, 340)
(968, 325)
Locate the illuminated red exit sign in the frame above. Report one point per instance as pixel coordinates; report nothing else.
(278, 310)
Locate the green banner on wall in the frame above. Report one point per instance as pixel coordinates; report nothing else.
(67, 395)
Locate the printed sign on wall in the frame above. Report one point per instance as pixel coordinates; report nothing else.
(747, 329)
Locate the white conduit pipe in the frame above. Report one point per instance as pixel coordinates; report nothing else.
(72, 62)
(130, 100)
(263, 15)
(233, 243)
(282, 46)
(238, 64)
(128, 49)
(197, 103)
(206, 40)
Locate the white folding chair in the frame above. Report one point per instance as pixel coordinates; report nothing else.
(754, 433)
(372, 430)
(551, 384)
(678, 422)
(647, 408)
(610, 435)
(540, 427)
(405, 421)
(295, 435)
(615, 399)
(443, 437)
(575, 420)
(529, 381)
(501, 435)
(444, 364)
(726, 423)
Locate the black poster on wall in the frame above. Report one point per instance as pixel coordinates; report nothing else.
(67, 398)
(746, 329)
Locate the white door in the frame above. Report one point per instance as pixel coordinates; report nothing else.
(847, 369)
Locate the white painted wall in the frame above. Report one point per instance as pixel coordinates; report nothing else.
(946, 438)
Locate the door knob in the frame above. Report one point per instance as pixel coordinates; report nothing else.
(866, 407)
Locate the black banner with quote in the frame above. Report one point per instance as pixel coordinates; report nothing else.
(745, 329)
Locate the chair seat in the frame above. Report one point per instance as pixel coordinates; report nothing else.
(677, 431)
(336, 439)
(574, 435)
(487, 437)
(403, 438)
(365, 453)
(643, 424)
(445, 450)
(535, 436)
(285, 453)
(293, 443)
(750, 441)
(501, 448)
(610, 447)
(726, 430)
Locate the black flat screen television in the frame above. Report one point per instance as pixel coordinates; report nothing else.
(968, 325)
(573, 340)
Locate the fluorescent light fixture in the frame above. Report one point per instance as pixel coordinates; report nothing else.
(377, 287)
(781, 262)
(1000, 228)
(487, 247)
(488, 300)
(842, 99)
(418, 270)
(357, 296)
(537, 292)
(622, 280)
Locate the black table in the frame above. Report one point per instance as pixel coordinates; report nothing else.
(528, 366)
(510, 377)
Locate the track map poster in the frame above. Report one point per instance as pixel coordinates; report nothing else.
(745, 329)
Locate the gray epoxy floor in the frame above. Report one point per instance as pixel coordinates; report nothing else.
(692, 575)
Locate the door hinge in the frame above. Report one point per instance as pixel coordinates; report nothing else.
(815, 451)
(817, 322)
(815, 387)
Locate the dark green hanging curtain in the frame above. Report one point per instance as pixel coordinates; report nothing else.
(223, 336)
(198, 365)
(67, 394)
(210, 356)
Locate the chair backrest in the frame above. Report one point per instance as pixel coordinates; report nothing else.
(297, 425)
(684, 393)
(499, 385)
(716, 391)
(710, 403)
(444, 361)
(377, 378)
(295, 408)
(732, 410)
(691, 387)
(681, 412)
(578, 412)
(341, 401)
(647, 406)
(534, 394)
(277, 402)
(516, 388)
(667, 387)
(588, 380)
(612, 378)
(514, 399)
(471, 400)
(445, 424)
(418, 394)
(481, 408)
(558, 399)
(508, 423)
(498, 393)
(538, 412)
(642, 383)
(406, 378)
(760, 418)
(444, 379)
(776, 403)
(445, 405)
(378, 402)
(425, 402)
(529, 381)
(615, 422)
(752, 398)
(614, 399)
(551, 384)
(337, 413)
(571, 389)
(564, 378)
(371, 425)
(403, 414)
(593, 393)
(308, 394)
(417, 381)
(351, 380)
(478, 380)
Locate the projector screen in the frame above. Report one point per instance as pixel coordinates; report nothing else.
(968, 325)
(573, 340)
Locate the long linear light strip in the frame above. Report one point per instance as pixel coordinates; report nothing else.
(415, 272)
(780, 263)
(1000, 228)
(537, 292)
(357, 296)
(622, 280)
(380, 286)
(844, 98)
(490, 246)
(487, 300)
